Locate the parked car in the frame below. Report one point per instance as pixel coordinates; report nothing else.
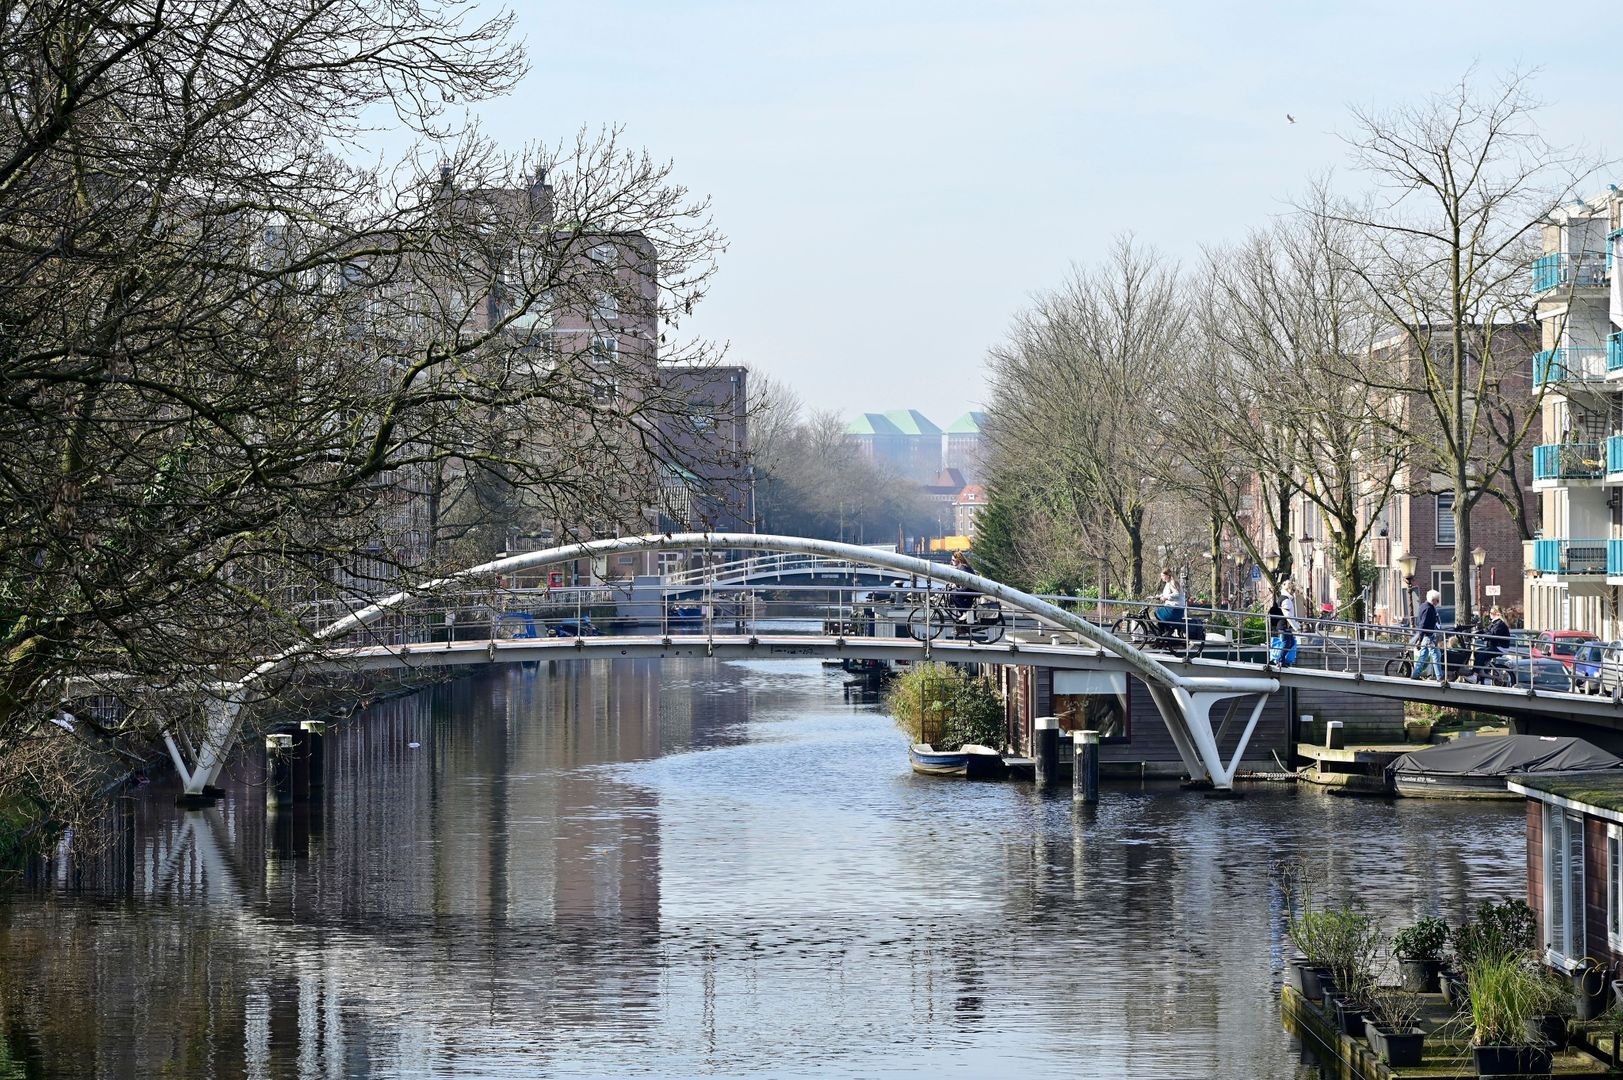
(1609, 679)
(1561, 645)
(1538, 672)
(1590, 660)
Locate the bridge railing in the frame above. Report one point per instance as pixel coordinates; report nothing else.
(904, 610)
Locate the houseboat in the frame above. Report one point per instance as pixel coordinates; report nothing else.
(1575, 865)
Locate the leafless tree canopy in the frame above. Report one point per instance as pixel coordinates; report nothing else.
(233, 358)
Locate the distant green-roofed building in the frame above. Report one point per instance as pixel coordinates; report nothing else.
(913, 422)
(963, 446)
(902, 441)
(970, 423)
(872, 423)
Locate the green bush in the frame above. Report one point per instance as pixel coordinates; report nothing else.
(1505, 931)
(946, 708)
(1424, 940)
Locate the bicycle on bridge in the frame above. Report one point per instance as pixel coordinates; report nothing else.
(977, 618)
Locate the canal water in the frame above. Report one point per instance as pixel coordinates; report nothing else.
(610, 868)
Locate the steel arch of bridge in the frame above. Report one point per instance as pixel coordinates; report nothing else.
(1185, 702)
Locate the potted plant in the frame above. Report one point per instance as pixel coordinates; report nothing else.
(1506, 994)
(1392, 1026)
(1495, 931)
(1351, 941)
(1419, 953)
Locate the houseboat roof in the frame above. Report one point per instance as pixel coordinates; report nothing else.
(1601, 790)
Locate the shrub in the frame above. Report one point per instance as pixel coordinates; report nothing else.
(1503, 931)
(946, 708)
(1424, 940)
(1506, 992)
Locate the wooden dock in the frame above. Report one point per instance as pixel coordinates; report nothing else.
(1447, 1054)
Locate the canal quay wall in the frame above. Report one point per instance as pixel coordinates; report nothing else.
(1135, 740)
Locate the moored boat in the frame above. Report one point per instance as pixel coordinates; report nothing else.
(1477, 768)
(929, 761)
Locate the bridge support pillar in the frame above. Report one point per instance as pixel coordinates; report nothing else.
(1187, 710)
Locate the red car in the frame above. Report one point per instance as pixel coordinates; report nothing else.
(1561, 645)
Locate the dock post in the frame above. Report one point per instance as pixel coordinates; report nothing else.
(279, 770)
(1085, 769)
(1047, 751)
(309, 744)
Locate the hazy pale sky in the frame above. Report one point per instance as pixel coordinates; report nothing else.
(897, 178)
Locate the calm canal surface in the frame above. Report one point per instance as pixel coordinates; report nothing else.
(705, 868)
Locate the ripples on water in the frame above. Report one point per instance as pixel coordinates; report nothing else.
(612, 868)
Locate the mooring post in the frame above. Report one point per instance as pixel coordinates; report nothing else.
(1085, 769)
(310, 752)
(278, 770)
(1047, 750)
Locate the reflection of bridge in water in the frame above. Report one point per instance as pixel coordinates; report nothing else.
(812, 598)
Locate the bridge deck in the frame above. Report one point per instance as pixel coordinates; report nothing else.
(1071, 657)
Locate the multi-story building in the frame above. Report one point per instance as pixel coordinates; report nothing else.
(963, 446)
(905, 441)
(1575, 566)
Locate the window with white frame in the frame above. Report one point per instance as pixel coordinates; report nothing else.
(1445, 518)
(1563, 883)
(1614, 886)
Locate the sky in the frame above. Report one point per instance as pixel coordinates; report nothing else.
(897, 179)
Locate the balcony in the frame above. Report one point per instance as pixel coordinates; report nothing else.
(1581, 557)
(1614, 352)
(1580, 364)
(1576, 270)
(1614, 454)
(1570, 461)
(1614, 558)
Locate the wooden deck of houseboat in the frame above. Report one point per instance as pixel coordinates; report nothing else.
(1447, 1054)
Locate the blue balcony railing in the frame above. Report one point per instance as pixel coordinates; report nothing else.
(1568, 461)
(1576, 363)
(1614, 352)
(1570, 556)
(1614, 454)
(1614, 558)
(1561, 269)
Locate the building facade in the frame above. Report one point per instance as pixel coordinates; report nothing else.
(1575, 565)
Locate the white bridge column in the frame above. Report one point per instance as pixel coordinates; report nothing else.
(219, 734)
(1187, 710)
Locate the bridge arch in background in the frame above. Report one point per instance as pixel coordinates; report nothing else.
(1183, 701)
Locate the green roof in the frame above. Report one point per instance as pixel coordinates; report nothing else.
(871, 423)
(1599, 789)
(912, 422)
(970, 423)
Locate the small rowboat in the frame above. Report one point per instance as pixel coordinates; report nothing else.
(970, 760)
(929, 761)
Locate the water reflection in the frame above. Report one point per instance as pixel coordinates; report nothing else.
(590, 868)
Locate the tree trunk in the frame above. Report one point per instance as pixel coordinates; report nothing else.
(1349, 576)
(1215, 597)
(1134, 525)
(1463, 613)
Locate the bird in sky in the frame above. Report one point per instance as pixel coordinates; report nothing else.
(1291, 118)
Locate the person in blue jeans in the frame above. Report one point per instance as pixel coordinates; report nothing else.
(1428, 639)
(1173, 604)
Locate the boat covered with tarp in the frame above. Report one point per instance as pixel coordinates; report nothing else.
(1476, 768)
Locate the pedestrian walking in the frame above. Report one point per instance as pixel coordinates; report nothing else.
(1282, 626)
(1428, 639)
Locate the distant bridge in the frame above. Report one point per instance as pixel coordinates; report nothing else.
(734, 620)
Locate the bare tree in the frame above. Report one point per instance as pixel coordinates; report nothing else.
(1463, 182)
(227, 346)
(1077, 397)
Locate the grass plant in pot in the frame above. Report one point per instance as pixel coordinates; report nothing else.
(1419, 953)
(1507, 993)
(1391, 1023)
(1494, 931)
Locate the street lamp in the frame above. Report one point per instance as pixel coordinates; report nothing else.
(1478, 557)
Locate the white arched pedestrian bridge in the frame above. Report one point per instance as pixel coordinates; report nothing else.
(724, 610)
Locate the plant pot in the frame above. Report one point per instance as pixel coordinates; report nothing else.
(1421, 976)
(1327, 981)
(1589, 992)
(1511, 1060)
(1399, 1049)
(1454, 989)
(1295, 969)
(1617, 990)
(1351, 1018)
(1549, 1029)
(1312, 983)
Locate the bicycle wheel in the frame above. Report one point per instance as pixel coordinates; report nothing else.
(986, 633)
(1133, 629)
(926, 623)
(1401, 667)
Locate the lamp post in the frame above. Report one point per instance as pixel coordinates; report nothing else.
(1406, 567)
(1239, 580)
(1478, 557)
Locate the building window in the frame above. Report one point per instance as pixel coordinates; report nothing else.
(608, 308)
(604, 351)
(603, 254)
(1443, 582)
(1445, 519)
(1563, 884)
(1614, 886)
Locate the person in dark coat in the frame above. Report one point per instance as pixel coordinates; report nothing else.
(1428, 639)
(1281, 635)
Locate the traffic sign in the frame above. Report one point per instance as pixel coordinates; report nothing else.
(1491, 590)
(1256, 573)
